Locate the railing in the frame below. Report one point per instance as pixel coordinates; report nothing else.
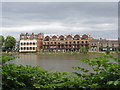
(68, 44)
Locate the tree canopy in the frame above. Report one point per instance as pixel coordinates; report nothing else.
(1, 40)
(10, 42)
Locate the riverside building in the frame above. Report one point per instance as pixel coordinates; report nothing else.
(31, 42)
(64, 43)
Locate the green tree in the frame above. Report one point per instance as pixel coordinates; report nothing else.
(9, 43)
(1, 42)
(108, 50)
(83, 49)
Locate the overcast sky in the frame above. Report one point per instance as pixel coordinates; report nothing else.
(94, 18)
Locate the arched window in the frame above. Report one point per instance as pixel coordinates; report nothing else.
(76, 37)
(54, 38)
(85, 37)
(61, 37)
(47, 38)
(69, 37)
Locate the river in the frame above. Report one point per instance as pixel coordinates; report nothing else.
(53, 63)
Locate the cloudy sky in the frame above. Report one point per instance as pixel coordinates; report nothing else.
(99, 19)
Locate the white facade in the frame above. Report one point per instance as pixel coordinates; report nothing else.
(28, 46)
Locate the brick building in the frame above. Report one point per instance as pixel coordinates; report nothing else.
(31, 42)
(64, 43)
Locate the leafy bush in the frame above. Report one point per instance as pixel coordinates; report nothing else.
(5, 58)
(106, 74)
(28, 77)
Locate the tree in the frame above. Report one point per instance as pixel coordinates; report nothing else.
(1, 42)
(83, 49)
(9, 43)
(108, 50)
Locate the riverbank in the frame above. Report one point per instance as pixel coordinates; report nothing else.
(69, 53)
(58, 53)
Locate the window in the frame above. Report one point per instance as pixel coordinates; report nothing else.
(22, 37)
(30, 43)
(54, 39)
(46, 39)
(21, 48)
(61, 38)
(27, 43)
(34, 43)
(30, 48)
(82, 42)
(33, 48)
(76, 38)
(27, 48)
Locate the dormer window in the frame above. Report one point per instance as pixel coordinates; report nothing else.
(76, 37)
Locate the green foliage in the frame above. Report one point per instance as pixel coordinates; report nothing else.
(83, 50)
(1, 42)
(9, 43)
(1, 39)
(4, 58)
(28, 77)
(108, 51)
(106, 74)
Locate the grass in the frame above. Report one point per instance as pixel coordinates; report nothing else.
(64, 53)
(61, 53)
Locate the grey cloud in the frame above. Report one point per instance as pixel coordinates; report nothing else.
(72, 14)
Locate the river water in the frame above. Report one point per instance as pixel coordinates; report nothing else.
(53, 63)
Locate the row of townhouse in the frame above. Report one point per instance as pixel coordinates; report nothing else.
(64, 43)
(99, 45)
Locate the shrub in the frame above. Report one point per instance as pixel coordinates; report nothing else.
(106, 74)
